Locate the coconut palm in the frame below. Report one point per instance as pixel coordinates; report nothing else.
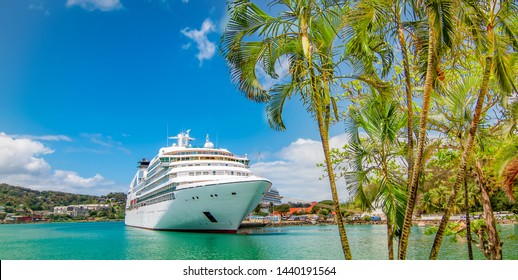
(376, 156)
(384, 18)
(454, 107)
(304, 32)
(440, 17)
(494, 31)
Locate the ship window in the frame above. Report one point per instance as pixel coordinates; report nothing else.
(205, 172)
(232, 173)
(213, 172)
(191, 173)
(198, 173)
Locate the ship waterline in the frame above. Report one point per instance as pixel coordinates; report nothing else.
(187, 188)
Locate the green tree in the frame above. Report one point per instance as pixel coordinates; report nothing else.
(454, 107)
(304, 33)
(382, 20)
(440, 17)
(376, 157)
(494, 30)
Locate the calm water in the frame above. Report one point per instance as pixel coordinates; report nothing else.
(113, 240)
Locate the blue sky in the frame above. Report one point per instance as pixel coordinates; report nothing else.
(88, 87)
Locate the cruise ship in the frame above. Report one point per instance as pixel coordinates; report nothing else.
(185, 188)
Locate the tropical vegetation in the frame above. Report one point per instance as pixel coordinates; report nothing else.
(426, 91)
(25, 201)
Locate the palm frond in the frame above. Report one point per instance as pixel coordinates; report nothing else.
(279, 95)
(441, 15)
(392, 198)
(502, 70)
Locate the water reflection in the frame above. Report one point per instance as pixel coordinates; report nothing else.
(147, 244)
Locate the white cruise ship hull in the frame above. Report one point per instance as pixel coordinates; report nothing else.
(218, 207)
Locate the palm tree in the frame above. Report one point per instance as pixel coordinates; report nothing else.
(376, 156)
(494, 30)
(454, 107)
(304, 33)
(383, 18)
(439, 14)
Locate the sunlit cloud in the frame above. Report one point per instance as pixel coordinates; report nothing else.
(206, 48)
(39, 7)
(90, 5)
(42, 137)
(22, 163)
(105, 141)
(295, 173)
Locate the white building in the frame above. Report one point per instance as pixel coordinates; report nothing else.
(79, 210)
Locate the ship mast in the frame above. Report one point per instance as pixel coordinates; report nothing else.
(183, 139)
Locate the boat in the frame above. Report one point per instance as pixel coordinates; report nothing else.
(186, 188)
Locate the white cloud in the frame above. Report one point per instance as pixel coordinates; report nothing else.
(22, 164)
(206, 48)
(39, 7)
(21, 156)
(106, 142)
(42, 137)
(73, 179)
(295, 173)
(90, 5)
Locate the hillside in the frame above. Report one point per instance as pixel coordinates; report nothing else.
(14, 198)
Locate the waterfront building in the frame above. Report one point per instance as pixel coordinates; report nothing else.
(79, 210)
(302, 209)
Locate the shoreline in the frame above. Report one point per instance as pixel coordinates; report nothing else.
(415, 223)
(279, 224)
(65, 221)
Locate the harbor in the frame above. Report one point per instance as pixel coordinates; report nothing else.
(115, 241)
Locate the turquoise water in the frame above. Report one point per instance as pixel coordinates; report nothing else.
(113, 240)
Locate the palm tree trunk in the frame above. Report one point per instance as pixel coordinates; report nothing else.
(323, 118)
(494, 248)
(468, 224)
(390, 240)
(409, 105)
(329, 166)
(484, 88)
(418, 163)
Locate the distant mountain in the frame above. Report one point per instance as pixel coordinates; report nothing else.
(12, 198)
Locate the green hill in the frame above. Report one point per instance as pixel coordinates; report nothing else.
(14, 199)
